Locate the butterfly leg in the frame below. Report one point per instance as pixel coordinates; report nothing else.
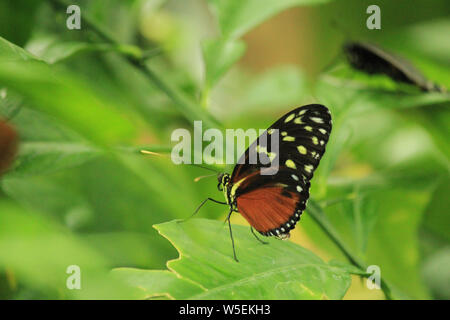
(257, 238)
(201, 205)
(231, 235)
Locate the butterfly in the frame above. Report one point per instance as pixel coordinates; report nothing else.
(372, 59)
(272, 203)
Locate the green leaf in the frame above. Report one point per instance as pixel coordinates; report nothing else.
(53, 50)
(10, 104)
(182, 102)
(76, 200)
(154, 283)
(362, 215)
(392, 245)
(58, 200)
(349, 267)
(434, 221)
(38, 158)
(10, 52)
(236, 17)
(279, 270)
(437, 275)
(219, 55)
(37, 253)
(436, 120)
(60, 51)
(422, 44)
(46, 146)
(67, 98)
(280, 86)
(378, 91)
(62, 95)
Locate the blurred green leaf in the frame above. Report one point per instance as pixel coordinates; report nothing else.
(10, 104)
(18, 19)
(68, 99)
(76, 199)
(437, 274)
(38, 253)
(280, 86)
(219, 55)
(60, 51)
(423, 45)
(47, 195)
(434, 219)
(240, 95)
(61, 95)
(362, 215)
(380, 92)
(237, 17)
(11, 52)
(46, 157)
(392, 245)
(53, 50)
(46, 146)
(184, 104)
(279, 270)
(436, 120)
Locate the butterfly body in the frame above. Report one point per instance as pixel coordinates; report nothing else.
(372, 59)
(273, 203)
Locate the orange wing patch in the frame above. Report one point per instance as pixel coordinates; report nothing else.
(270, 210)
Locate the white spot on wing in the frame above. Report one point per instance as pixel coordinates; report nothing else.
(289, 117)
(317, 120)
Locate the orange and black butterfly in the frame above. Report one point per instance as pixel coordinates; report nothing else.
(272, 204)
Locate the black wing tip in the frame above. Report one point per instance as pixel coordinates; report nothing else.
(314, 107)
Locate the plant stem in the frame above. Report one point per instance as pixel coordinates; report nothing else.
(315, 211)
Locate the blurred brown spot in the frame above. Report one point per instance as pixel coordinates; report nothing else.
(286, 38)
(8, 145)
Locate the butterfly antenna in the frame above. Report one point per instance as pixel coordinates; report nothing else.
(151, 153)
(146, 152)
(201, 205)
(201, 177)
(203, 167)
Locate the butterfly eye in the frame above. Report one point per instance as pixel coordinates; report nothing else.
(219, 186)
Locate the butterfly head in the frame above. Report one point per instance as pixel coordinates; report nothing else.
(224, 180)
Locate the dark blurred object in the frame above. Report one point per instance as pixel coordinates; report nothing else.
(372, 59)
(8, 145)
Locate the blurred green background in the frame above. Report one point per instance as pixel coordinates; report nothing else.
(79, 192)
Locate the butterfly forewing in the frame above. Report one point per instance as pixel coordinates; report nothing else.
(272, 203)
